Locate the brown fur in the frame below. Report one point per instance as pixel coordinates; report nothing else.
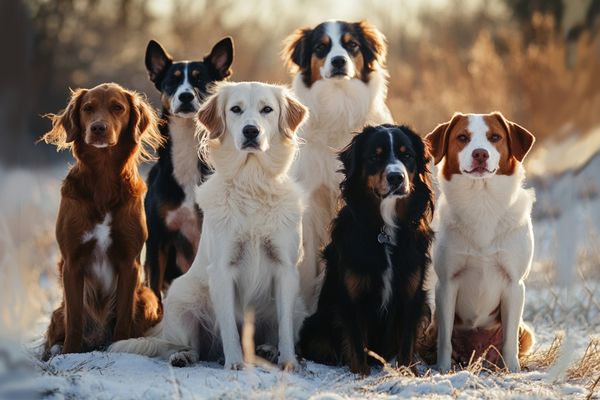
(103, 180)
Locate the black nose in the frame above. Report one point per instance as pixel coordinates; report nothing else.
(338, 62)
(250, 132)
(395, 179)
(480, 155)
(186, 97)
(98, 128)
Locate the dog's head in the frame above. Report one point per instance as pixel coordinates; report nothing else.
(335, 50)
(385, 165)
(183, 84)
(250, 118)
(479, 145)
(103, 117)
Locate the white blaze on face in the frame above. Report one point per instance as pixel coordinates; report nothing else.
(185, 87)
(333, 30)
(479, 140)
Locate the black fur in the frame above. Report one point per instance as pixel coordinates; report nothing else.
(346, 321)
(164, 192)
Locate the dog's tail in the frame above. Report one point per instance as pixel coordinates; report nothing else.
(152, 345)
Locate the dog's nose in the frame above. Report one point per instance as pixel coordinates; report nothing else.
(338, 62)
(480, 155)
(186, 97)
(395, 179)
(98, 128)
(250, 132)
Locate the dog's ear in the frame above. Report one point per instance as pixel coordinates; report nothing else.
(421, 204)
(349, 155)
(143, 125)
(438, 138)
(66, 126)
(221, 57)
(520, 140)
(373, 44)
(211, 115)
(157, 61)
(296, 49)
(293, 114)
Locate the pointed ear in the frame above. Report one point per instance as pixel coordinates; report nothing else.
(66, 126)
(293, 114)
(520, 140)
(438, 138)
(296, 49)
(211, 116)
(157, 61)
(221, 57)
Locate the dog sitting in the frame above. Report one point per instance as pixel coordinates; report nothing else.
(372, 296)
(484, 246)
(101, 226)
(174, 221)
(340, 76)
(251, 247)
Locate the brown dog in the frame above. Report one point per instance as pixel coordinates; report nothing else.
(101, 226)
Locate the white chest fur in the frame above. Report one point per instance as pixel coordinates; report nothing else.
(100, 265)
(184, 152)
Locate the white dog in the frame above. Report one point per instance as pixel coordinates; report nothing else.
(484, 245)
(251, 244)
(341, 78)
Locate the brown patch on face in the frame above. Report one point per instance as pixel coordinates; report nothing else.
(317, 63)
(357, 58)
(446, 143)
(507, 163)
(195, 73)
(356, 284)
(105, 105)
(165, 101)
(177, 73)
(271, 251)
(378, 183)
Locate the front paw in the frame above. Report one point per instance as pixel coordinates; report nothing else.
(183, 358)
(361, 368)
(444, 366)
(290, 365)
(234, 365)
(512, 364)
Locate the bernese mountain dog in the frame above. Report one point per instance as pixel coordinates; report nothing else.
(373, 297)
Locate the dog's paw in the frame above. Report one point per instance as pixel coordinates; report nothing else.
(235, 366)
(512, 364)
(183, 358)
(444, 367)
(290, 365)
(268, 352)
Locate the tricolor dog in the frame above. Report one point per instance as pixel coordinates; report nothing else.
(340, 76)
(484, 245)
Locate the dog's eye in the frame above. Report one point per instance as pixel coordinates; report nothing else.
(117, 108)
(236, 110)
(320, 49)
(407, 156)
(495, 138)
(87, 108)
(352, 45)
(463, 138)
(266, 110)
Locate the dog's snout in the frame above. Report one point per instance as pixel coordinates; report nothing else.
(250, 132)
(480, 155)
(98, 128)
(395, 179)
(338, 62)
(186, 97)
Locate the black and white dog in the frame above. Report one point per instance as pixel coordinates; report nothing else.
(174, 221)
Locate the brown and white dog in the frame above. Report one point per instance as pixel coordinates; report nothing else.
(340, 76)
(101, 226)
(484, 244)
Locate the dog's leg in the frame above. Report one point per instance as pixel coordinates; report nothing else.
(221, 287)
(445, 301)
(288, 287)
(74, 319)
(512, 302)
(128, 273)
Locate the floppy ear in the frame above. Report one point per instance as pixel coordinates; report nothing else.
(520, 140)
(293, 114)
(438, 138)
(221, 57)
(349, 156)
(157, 61)
(421, 205)
(211, 116)
(372, 43)
(66, 126)
(296, 48)
(143, 125)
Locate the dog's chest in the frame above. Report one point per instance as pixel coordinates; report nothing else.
(184, 153)
(100, 266)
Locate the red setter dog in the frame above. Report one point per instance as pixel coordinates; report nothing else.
(101, 225)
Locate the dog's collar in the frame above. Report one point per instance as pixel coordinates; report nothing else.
(385, 238)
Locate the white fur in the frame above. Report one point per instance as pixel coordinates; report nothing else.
(482, 254)
(479, 140)
(338, 108)
(185, 87)
(332, 29)
(101, 266)
(249, 201)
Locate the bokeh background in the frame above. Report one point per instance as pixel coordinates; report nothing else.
(537, 61)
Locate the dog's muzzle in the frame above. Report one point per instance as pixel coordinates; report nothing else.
(339, 67)
(250, 133)
(397, 183)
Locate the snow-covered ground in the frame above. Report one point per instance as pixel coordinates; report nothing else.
(563, 295)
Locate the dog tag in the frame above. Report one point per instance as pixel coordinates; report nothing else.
(383, 238)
